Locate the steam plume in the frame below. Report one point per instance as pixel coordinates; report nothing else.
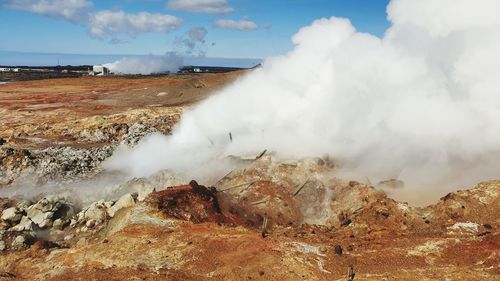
(146, 64)
(421, 104)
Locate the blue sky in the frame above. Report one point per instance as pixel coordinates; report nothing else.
(250, 28)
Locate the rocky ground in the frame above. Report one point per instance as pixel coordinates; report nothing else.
(269, 219)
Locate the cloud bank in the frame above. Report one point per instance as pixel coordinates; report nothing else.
(421, 104)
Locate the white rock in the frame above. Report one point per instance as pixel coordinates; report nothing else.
(90, 223)
(12, 215)
(40, 218)
(24, 225)
(68, 237)
(19, 242)
(3, 247)
(144, 191)
(96, 211)
(124, 202)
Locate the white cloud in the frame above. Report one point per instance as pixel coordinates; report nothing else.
(201, 6)
(243, 24)
(72, 10)
(107, 23)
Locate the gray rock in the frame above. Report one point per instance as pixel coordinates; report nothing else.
(12, 215)
(136, 132)
(60, 224)
(3, 247)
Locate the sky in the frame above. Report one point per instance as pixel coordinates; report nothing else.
(244, 29)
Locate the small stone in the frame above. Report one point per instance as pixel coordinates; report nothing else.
(69, 237)
(3, 247)
(82, 242)
(19, 242)
(58, 224)
(322, 249)
(90, 223)
(338, 250)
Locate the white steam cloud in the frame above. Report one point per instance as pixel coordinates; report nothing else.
(170, 62)
(421, 104)
(191, 43)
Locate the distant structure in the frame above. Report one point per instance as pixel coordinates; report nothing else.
(99, 70)
(206, 69)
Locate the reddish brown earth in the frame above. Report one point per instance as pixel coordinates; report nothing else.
(34, 112)
(146, 243)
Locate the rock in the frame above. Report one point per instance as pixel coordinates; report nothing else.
(90, 223)
(96, 211)
(23, 204)
(19, 242)
(43, 220)
(68, 237)
(12, 215)
(338, 250)
(82, 242)
(60, 223)
(24, 225)
(144, 191)
(136, 132)
(124, 202)
(3, 247)
(49, 209)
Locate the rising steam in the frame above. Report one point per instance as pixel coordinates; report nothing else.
(191, 43)
(421, 104)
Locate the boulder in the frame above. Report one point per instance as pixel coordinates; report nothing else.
(12, 215)
(144, 191)
(96, 211)
(125, 201)
(49, 209)
(24, 225)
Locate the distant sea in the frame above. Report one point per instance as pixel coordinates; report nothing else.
(52, 59)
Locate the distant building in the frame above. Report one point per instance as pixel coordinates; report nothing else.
(99, 70)
(206, 69)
